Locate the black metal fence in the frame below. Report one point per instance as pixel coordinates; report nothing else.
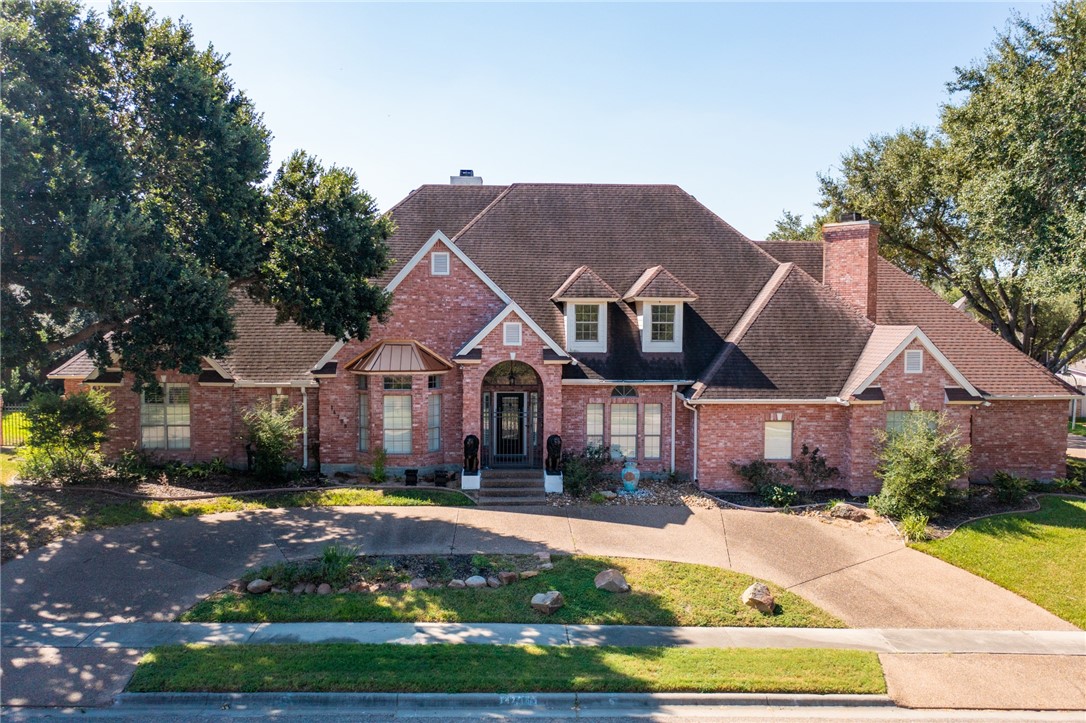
(13, 426)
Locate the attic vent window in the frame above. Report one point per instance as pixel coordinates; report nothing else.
(439, 263)
(511, 333)
(914, 361)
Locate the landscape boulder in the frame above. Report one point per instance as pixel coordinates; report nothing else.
(528, 573)
(507, 577)
(420, 583)
(310, 588)
(258, 586)
(844, 511)
(546, 566)
(324, 589)
(543, 556)
(475, 581)
(299, 588)
(548, 602)
(759, 597)
(608, 495)
(457, 584)
(493, 582)
(612, 580)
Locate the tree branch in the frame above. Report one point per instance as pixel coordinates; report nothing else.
(80, 336)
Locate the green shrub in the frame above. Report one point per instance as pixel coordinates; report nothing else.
(1070, 486)
(378, 474)
(1010, 489)
(584, 471)
(917, 465)
(811, 470)
(273, 434)
(335, 564)
(64, 437)
(597, 498)
(779, 495)
(914, 527)
(133, 466)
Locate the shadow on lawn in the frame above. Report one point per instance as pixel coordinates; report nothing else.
(1055, 512)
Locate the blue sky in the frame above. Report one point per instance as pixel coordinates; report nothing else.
(740, 104)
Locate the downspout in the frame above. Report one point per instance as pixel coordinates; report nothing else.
(674, 391)
(305, 429)
(695, 411)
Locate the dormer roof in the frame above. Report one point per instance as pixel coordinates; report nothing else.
(659, 283)
(584, 283)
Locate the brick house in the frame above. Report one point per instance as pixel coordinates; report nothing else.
(620, 315)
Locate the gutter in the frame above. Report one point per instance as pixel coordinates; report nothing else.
(305, 429)
(828, 400)
(674, 393)
(695, 411)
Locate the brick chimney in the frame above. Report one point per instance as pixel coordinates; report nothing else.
(850, 257)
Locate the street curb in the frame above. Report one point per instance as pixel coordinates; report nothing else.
(508, 702)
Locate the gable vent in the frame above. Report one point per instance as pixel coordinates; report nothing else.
(511, 333)
(914, 361)
(439, 263)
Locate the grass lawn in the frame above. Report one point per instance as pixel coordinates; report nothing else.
(503, 668)
(664, 593)
(31, 518)
(1077, 426)
(1038, 555)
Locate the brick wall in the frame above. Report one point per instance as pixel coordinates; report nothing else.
(850, 263)
(1027, 438)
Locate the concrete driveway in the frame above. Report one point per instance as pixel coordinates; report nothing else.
(155, 571)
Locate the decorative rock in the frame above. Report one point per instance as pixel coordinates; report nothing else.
(343, 590)
(546, 566)
(508, 577)
(493, 582)
(299, 588)
(419, 583)
(310, 588)
(457, 584)
(548, 602)
(844, 511)
(278, 590)
(608, 495)
(475, 581)
(612, 580)
(324, 589)
(760, 598)
(258, 586)
(362, 586)
(543, 556)
(528, 573)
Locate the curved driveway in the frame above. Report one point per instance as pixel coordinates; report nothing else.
(154, 571)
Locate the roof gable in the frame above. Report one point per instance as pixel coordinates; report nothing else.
(886, 344)
(659, 283)
(584, 283)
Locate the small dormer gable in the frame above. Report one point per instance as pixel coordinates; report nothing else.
(585, 297)
(659, 298)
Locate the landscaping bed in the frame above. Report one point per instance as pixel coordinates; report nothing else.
(1038, 555)
(379, 590)
(503, 669)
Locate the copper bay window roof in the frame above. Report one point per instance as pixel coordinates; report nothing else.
(399, 357)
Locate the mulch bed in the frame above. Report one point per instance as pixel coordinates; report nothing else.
(818, 497)
(981, 502)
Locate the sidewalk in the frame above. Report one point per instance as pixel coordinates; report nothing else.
(143, 636)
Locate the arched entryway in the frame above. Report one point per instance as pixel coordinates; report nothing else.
(512, 417)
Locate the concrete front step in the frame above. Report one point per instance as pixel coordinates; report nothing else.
(512, 492)
(512, 474)
(511, 501)
(507, 482)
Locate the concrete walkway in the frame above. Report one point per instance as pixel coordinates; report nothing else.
(153, 572)
(143, 636)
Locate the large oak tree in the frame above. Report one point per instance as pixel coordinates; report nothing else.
(135, 196)
(993, 202)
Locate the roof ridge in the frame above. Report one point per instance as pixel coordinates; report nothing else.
(482, 213)
(735, 336)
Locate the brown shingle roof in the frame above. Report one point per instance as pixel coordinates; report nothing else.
(992, 365)
(79, 366)
(584, 283)
(659, 283)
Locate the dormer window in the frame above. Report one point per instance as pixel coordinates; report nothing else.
(659, 297)
(662, 323)
(586, 325)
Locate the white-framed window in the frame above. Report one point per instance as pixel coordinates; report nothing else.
(433, 423)
(914, 361)
(623, 430)
(586, 326)
(778, 440)
(165, 417)
(512, 333)
(363, 422)
(653, 426)
(896, 421)
(397, 423)
(397, 384)
(439, 263)
(661, 326)
(594, 425)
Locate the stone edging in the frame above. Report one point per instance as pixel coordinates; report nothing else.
(1037, 506)
(237, 493)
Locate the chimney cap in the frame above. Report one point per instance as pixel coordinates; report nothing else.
(849, 216)
(466, 173)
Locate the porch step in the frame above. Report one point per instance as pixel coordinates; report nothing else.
(512, 501)
(512, 482)
(511, 491)
(504, 488)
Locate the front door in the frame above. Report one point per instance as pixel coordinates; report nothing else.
(509, 441)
